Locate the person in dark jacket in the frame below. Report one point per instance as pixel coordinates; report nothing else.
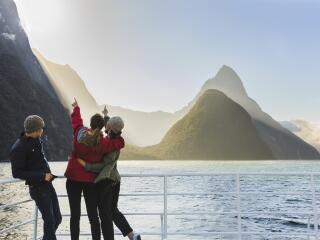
(28, 162)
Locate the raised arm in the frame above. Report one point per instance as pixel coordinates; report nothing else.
(76, 120)
(108, 160)
(18, 167)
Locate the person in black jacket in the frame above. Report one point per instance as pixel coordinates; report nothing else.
(28, 162)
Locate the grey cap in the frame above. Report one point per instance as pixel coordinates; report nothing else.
(33, 123)
(116, 124)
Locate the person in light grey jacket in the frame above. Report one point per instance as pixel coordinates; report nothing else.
(108, 179)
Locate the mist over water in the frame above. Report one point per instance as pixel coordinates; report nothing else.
(255, 207)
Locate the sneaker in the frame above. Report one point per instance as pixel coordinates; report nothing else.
(136, 236)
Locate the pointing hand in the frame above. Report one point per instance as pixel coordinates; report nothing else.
(105, 111)
(75, 103)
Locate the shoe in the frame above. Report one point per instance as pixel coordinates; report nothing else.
(136, 236)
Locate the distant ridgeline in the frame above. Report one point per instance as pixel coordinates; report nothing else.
(221, 123)
(215, 128)
(212, 133)
(25, 89)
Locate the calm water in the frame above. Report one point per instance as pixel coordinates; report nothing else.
(256, 208)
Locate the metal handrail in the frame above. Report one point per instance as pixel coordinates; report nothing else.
(14, 204)
(163, 215)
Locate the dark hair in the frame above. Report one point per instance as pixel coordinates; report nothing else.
(96, 122)
(113, 135)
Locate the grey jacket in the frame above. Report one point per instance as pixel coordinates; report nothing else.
(107, 169)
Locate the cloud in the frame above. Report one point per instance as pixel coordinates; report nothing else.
(8, 36)
(308, 131)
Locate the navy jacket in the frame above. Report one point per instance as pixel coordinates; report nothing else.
(28, 161)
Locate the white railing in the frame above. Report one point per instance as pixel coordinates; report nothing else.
(164, 214)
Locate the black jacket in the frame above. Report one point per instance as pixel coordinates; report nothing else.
(28, 161)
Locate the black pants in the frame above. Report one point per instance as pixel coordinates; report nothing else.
(46, 200)
(109, 195)
(104, 190)
(119, 220)
(90, 193)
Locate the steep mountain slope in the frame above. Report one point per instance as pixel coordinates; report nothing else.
(216, 128)
(68, 84)
(283, 143)
(25, 90)
(14, 41)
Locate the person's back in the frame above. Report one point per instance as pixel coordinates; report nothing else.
(74, 171)
(35, 164)
(28, 162)
(92, 154)
(107, 168)
(108, 184)
(80, 181)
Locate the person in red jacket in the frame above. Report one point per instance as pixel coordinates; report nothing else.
(80, 181)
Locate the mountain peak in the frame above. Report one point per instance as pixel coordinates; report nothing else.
(227, 81)
(226, 68)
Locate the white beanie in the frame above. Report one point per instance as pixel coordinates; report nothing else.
(116, 124)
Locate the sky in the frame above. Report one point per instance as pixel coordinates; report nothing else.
(156, 54)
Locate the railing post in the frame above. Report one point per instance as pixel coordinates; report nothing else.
(35, 223)
(165, 208)
(239, 206)
(315, 210)
(308, 227)
(162, 229)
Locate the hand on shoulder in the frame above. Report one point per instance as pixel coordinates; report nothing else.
(82, 162)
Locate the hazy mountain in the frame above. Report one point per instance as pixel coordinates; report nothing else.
(131, 152)
(309, 132)
(68, 84)
(228, 81)
(144, 128)
(216, 128)
(25, 90)
(283, 143)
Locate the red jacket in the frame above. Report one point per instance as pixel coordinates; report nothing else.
(75, 171)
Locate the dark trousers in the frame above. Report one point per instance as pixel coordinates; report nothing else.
(119, 220)
(104, 190)
(90, 193)
(46, 200)
(109, 211)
